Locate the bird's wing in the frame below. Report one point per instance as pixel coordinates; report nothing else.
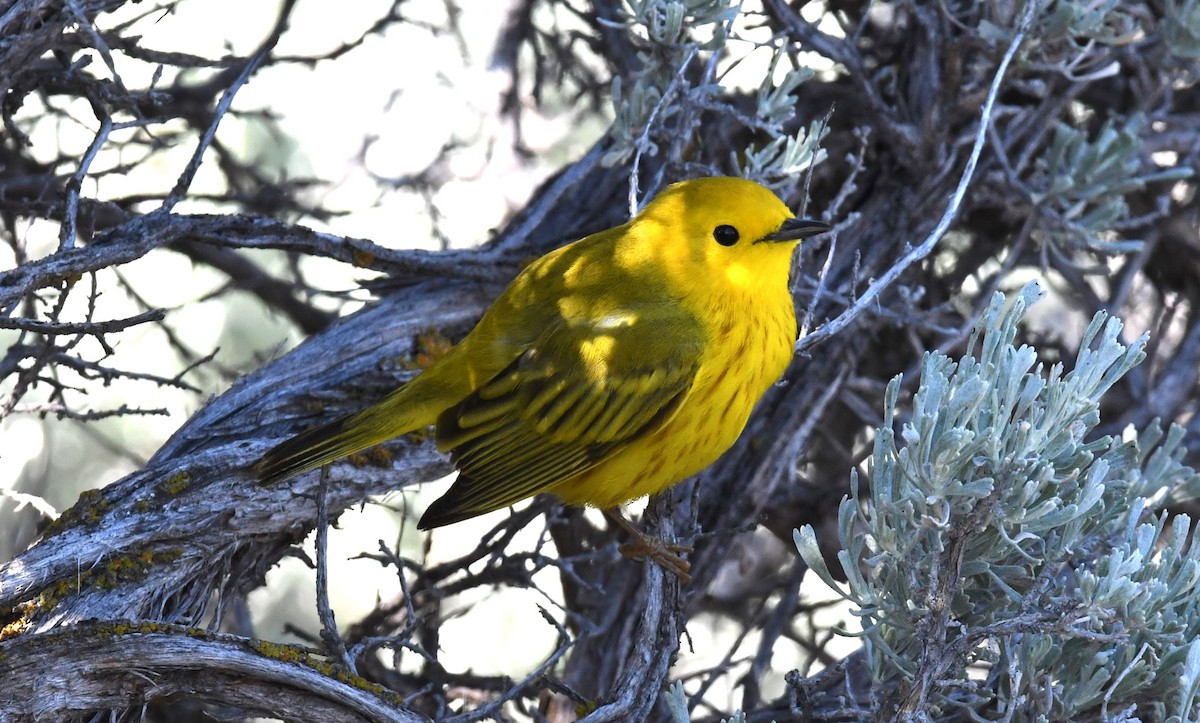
(575, 397)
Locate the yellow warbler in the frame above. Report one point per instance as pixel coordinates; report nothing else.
(610, 368)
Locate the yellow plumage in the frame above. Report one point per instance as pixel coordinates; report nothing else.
(610, 368)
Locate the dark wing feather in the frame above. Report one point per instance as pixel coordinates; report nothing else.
(572, 400)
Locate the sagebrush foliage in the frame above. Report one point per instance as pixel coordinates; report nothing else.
(679, 43)
(1001, 538)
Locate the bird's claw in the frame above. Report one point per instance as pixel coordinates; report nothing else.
(664, 554)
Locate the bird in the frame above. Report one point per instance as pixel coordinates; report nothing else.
(609, 369)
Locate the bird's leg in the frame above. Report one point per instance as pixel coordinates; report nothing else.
(666, 555)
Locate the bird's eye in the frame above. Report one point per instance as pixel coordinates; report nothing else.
(726, 235)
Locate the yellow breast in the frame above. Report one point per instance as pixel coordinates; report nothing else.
(750, 347)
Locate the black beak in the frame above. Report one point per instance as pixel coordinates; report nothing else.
(795, 229)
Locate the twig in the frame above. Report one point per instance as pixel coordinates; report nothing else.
(36, 502)
(822, 279)
(66, 232)
(724, 666)
(99, 44)
(95, 370)
(404, 589)
(94, 328)
(920, 252)
(133, 240)
(29, 375)
(643, 140)
(492, 710)
(63, 412)
(654, 639)
(329, 632)
(189, 171)
(849, 186)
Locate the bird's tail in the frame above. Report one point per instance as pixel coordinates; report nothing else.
(324, 444)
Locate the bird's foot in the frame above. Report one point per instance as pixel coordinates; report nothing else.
(643, 547)
(664, 554)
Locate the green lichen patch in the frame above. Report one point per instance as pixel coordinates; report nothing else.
(107, 575)
(89, 509)
(175, 485)
(299, 656)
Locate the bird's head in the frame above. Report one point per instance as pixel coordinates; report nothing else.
(722, 230)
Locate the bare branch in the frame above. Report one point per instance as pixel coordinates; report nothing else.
(94, 328)
(926, 247)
